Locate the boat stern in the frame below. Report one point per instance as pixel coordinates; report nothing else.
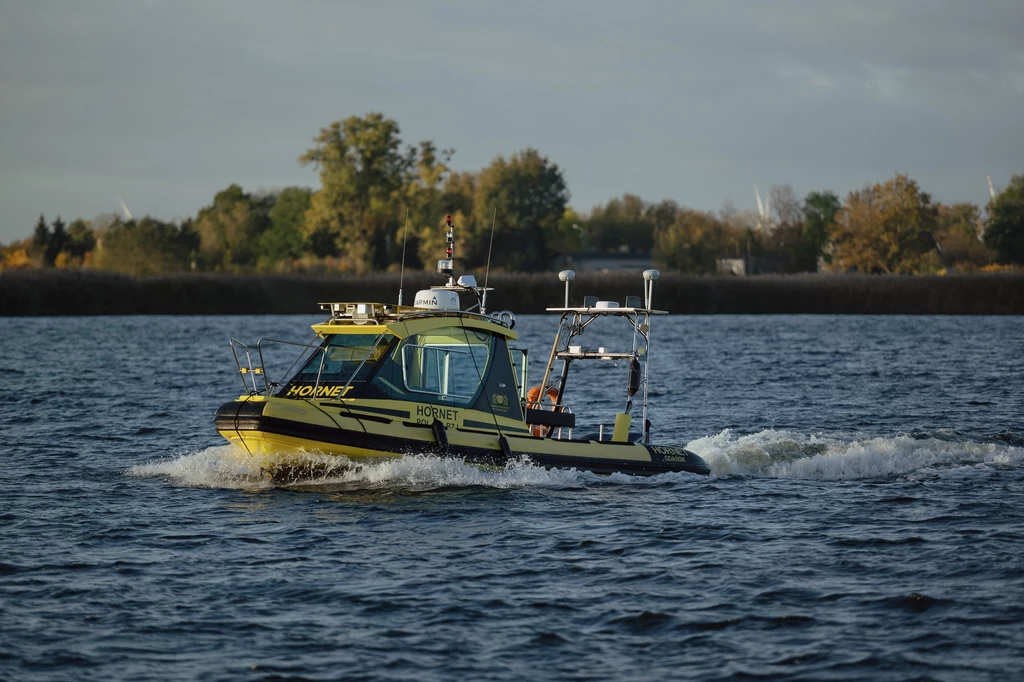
(678, 459)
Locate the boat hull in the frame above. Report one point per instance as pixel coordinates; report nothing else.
(276, 428)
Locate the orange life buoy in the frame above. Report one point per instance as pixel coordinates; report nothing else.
(533, 401)
(533, 395)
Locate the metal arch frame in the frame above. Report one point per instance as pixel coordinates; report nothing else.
(572, 324)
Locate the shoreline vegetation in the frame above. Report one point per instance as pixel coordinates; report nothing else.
(381, 207)
(43, 292)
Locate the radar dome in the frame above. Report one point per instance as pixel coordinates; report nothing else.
(436, 299)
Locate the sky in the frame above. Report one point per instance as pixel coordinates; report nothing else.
(165, 102)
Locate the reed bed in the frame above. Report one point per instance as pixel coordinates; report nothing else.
(84, 292)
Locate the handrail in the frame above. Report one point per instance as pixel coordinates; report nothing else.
(248, 368)
(456, 313)
(266, 381)
(316, 349)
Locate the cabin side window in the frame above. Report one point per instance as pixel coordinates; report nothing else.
(341, 360)
(446, 364)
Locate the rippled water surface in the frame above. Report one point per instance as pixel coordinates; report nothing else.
(864, 519)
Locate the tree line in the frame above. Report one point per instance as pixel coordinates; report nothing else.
(380, 200)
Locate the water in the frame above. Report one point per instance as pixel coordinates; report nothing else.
(864, 518)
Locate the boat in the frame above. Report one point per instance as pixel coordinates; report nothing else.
(445, 377)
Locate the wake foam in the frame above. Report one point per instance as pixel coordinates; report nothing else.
(223, 466)
(780, 454)
(227, 466)
(767, 454)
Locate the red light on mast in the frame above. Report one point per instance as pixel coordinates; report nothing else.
(448, 220)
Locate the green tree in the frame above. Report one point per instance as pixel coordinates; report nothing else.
(692, 242)
(429, 194)
(144, 247)
(958, 232)
(886, 228)
(40, 239)
(57, 242)
(363, 171)
(81, 239)
(820, 209)
(661, 216)
(621, 224)
(781, 244)
(569, 234)
(229, 228)
(964, 219)
(1004, 231)
(528, 195)
(283, 240)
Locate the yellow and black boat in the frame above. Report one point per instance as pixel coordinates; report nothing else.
(443, 377)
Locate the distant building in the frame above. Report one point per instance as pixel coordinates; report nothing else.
(766, 264)
(731, 266)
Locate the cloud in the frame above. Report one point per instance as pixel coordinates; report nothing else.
(686, 100)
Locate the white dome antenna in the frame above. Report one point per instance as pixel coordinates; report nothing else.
(436, 299)
(649, 277)
(566, 276)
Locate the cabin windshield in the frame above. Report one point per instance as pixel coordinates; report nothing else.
(342, 360)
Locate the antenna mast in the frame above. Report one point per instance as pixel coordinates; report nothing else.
(487, 272)
(405, 238)
(447, 266)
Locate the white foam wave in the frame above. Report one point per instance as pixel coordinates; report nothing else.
(227, 466)
(767, 454)
(223, 466)
(781, 454)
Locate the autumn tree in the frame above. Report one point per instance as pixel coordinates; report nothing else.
(14, 257)
(363, 170)
(886, 228)
(1004, 231)
(528, 196)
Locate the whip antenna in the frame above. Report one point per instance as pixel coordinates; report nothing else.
(405, 238)
(487, 272)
